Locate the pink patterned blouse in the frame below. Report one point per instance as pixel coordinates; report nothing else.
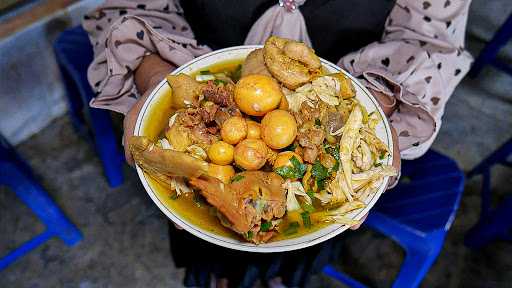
(418, 62)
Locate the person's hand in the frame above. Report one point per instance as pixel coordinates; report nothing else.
(150, 72)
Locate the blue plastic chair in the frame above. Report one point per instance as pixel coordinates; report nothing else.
(493, 223)
(417, 214)
(490, 51)
(16, 174)
(74, 54)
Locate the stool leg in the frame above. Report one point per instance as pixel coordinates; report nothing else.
(24, 249)
(498, 156)
(414, 268)
(34, 196)
(496, 225)
(106, 145)
(342, 277)
(493, 47)
(74, 102)
(485, 194)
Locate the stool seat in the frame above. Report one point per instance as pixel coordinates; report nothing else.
(417, 214)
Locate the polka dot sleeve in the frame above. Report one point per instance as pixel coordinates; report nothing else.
(419, 62)
(121, 33)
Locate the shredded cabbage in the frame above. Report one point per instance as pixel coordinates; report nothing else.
(294, 189)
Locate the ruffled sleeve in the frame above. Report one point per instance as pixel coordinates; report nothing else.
(122, 32)
(418, 62)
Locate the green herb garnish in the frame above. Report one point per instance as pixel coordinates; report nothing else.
(236, 178)
(308, 207)
(306, 220)
(382, 156)
(319, 171)
(317, 122)
(295, 171)
(292, 228)
(249, 235)
(205, 72)
(174, 196)
(218, 82)
(265, 226)
(320, 183)
(310, 193)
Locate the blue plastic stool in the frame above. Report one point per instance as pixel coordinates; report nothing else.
(417, 213)
(74, 54)
(493, 223)
(490, 51)
(16, 174)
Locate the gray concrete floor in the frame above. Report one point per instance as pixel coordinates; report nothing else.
(126, 242)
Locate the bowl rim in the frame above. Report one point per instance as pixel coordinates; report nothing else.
(331, 230)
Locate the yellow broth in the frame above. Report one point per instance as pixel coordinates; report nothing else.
(185, 205)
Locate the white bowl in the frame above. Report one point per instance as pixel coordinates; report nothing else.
(240, 52)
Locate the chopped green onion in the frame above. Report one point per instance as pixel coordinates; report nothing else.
(382, 156)
(295, 171)
(205, 72)
(310, 193)
(218, 82)
(204, 77)
(308, 207)
(306, 220)
(174, 196)
(265, 226)
(321, 183)
(319, 171)
(292, 228)
(249, 235)
(237, 178)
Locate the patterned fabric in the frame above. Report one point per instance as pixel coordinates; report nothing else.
(122, 32)
(283, 20)
(418, 62)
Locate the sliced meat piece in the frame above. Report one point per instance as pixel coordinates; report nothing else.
(310, 154)
(201, 135)
(189, 118)
(219, 94)
(334, 122)
(220, 116)
(311, 137)
(316, 135)
(208, 111)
